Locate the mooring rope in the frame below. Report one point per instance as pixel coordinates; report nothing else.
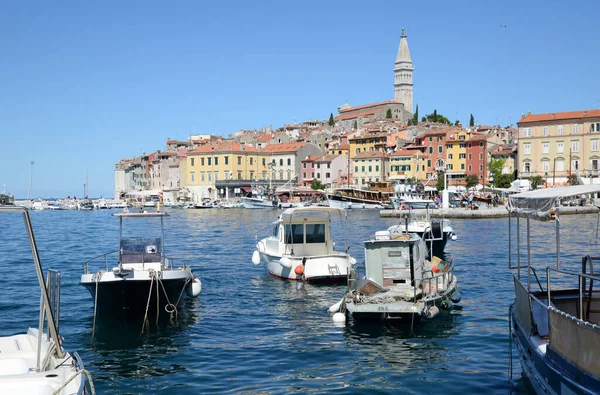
(97, 280)
(152, 275)
(83, 372)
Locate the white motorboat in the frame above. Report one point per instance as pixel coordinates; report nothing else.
(301, 247)
(35, 362)
(141, 267)
(400, 285)
(555, 321)
(258, 202)
(435, 231)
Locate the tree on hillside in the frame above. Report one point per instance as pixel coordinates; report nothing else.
(456, 122)
(472, 121)
(435, 117)
(415, 120)
(331, 121)
(388, 113)
(410, 122)
(471, 180)
(355, 124)
(316, 184)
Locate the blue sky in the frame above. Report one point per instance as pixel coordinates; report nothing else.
(85, 84)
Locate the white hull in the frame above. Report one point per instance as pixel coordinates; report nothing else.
(257, 203)
(18, 367)
(347, 205)
(328, 268)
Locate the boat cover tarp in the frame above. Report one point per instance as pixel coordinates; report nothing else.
(540, 203)
(312, 212)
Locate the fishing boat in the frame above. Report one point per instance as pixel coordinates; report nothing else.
(141, 274)
(400, 284)
(555, 321)
(35, 362)
(300, 247)
(435, 231)
(353, 198)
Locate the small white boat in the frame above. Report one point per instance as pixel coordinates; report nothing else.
(301, 247)
(35, 362)
(400, 284)
(435, 231)
(555, 317)
(141, 266)
(258, 202)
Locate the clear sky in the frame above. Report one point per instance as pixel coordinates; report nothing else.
(84, 84)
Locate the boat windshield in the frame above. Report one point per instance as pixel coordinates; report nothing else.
(300, 233)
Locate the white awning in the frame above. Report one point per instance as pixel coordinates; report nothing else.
(539, 203)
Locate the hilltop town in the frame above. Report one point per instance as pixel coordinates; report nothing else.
(378, 142)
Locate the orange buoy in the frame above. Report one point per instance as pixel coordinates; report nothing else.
(435, 269)
(299, 270)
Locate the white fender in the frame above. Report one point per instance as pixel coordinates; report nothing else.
(431, 312)
(256, 258)
(285, 262)
(339, 318)
(336, 307)
(193, 288)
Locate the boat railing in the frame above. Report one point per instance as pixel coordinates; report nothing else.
(435, 283)
(98, 258)
(142, 257)
(53, 286)
(582, 279)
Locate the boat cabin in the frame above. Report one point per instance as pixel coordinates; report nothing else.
(394, 258)
(303, 232)
(141, 253)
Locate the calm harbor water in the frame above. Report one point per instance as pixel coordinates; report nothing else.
(250, 333)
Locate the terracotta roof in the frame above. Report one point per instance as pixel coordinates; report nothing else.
(381, 103)
(344, 147)
(310, 158)
(369, 154)
(343, 117)
(404, 152)
(326, 158)
(264, 138)
(288, 147)
(557, 116)
(226, 146)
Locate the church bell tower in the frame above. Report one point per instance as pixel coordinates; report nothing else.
(403, 73)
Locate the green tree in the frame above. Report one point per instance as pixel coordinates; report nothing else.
(355, 124)
(439, 185)
(331, 121)
(472, 121)
(573, 180)
(410, 122)
(503, 180)
(316, 184)
(415, 120)
(424, 119)
(388, 113)
(536, 181)
(495, 167)
(435, 117)
(471, 180)
(456, 122)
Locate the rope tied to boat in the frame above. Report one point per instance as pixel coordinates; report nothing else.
(145, 322)
(96, 279)
(79, 372)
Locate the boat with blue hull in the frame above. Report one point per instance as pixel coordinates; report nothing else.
(555, 317)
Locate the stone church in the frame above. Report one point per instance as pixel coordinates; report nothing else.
(401, 106)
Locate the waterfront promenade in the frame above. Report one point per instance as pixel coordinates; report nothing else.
(483, 212)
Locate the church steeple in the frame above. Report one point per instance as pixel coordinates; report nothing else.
(403, 70)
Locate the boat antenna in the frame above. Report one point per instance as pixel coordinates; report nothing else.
(30, 181)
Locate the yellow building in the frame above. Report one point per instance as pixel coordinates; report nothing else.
(229, 160)
(557, 145)
(406, 165)
(456, 150)
(371, 141)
